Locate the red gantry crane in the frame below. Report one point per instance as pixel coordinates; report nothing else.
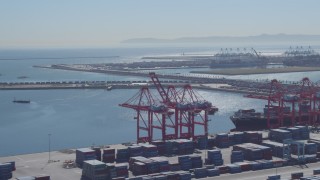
(274, 108)
(298, 104)
(198, 110)
(190, 109)
(305, 92)
(315, 112)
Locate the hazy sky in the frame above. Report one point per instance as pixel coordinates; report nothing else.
(27, 23)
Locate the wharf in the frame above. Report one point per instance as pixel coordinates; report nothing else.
(116, 85)
(207, 82)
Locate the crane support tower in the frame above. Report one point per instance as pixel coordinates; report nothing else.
(150, 115)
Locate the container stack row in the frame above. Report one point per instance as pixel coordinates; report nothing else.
(202, 142)
(266, 164)
(214, 157)
(185, 163)
(118, 170)
(238, 138)
(317, 142)
(41, 177)
(310, 148)
(295, 132)
(245, 166)
(34, 178)
(163, 163)
(310, 158)
(234, 168)
(6, 170)
(84, 154)
(252, 137)
(299, 132)
(196, 161)
(142, 166)
(248, 166)
(279, 135)
(175, 147)
(183, 146)
(149, 150)
(213, 172)
(222, 140)
(122, 155)
(254, 152)
(109, 155)
(98, 152)
(97, 170)
(200, 173)
(304, 132)
(237, 156)
(174, 164)
(277, 148)
(135, 151)
(181, 175)
(161, 147)
(94, 170)
(274, 177)
(231, 139)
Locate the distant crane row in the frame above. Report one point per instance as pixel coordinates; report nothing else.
(179, 114)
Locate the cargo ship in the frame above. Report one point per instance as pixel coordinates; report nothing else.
(249, 119)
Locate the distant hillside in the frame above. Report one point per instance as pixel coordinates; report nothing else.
(212, 39)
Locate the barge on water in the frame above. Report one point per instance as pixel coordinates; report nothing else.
(21, 101)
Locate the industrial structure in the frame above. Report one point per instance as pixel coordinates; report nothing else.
(291, 105)
(179, 114)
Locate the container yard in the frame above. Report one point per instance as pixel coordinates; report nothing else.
(180, 159)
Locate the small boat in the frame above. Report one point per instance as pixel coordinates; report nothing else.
(21, 101)
(109, 88)
(22, 77)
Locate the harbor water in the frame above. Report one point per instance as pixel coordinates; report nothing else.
(81, 118)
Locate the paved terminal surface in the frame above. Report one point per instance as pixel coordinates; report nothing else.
(37, 164)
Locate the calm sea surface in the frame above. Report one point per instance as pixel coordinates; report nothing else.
(81, 118)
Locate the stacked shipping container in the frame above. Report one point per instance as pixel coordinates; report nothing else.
(84, 154)
(94, 170)
(254, 151)
(6, 171)
(214, 157)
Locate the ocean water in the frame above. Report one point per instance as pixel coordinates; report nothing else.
(81, 118)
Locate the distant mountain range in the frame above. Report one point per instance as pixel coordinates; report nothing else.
(212, 39)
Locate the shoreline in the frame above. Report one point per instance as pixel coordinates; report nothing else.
(208, 87)
(253, 71)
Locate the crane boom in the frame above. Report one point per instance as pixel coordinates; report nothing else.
(162, 92)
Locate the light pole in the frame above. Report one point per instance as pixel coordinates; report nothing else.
(49, 136)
